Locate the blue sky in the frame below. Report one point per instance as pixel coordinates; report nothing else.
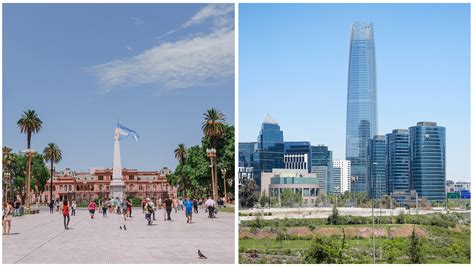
(158, 67)
(293, 64)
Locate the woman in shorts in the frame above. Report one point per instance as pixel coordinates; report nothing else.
(7, 218)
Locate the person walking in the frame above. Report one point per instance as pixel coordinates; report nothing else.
(152, 203)
(144, 201)
(7, 218)
(51, 206)
(129, 204)
(168, 207)
(73, 208)
(175, 204)
(57, 205)
(104, 209)
(66, 216)
(188, 205)
(91, 208)
(195, 205)
(210, 203)
(16, 212)
(148, 211)
(119, 206)
(124, 207)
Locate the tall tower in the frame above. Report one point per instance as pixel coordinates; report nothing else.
(361, 123)
(117, 185)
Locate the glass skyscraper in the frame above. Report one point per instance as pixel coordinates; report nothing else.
(246, 150)
(270, 149)
(361, 123)
(398, 164)
(321, 156)
(428, 160)
(377, 177)
(299, 147)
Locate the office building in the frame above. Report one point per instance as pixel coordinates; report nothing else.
(377, 177)
(341, 176)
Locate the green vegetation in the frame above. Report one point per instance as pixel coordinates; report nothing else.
(436, 238)
(248, 195)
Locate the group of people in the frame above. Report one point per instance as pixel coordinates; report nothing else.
(118, 206)
(57, 204)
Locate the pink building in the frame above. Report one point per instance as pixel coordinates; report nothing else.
(85, 186)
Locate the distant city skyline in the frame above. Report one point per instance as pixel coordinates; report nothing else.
(158, 67)
(297, 71)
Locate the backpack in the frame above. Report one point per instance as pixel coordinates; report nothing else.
(149, 208)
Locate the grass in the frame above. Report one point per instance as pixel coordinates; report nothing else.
(227, 209)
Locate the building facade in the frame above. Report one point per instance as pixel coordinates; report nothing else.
(246, 150)
(428, 160)
(398, 164)
(377, 177)
(361, 123)
(296, 161)
(270, 149)
(341, 176)
(321, 156)
(300, 148)
(86, 186)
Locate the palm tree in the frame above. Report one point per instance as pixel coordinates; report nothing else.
(213, 128)
(213, 125)
(53, 154)
(180, 153)
(29, 124)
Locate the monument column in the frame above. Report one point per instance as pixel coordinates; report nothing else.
(117, 185)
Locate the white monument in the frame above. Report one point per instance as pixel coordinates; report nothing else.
(117, 185)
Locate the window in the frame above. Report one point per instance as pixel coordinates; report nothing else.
(101, 177)
(131, 177)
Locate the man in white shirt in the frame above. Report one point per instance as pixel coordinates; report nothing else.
(210, 203)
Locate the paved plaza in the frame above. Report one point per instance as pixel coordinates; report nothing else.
(41, 238)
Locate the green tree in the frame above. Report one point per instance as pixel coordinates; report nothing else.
(290, 198)
(29, 124)
(263, 199)
(334, 217)
(415, 251)
(52, 154)
(8, 169)
(248, 194)
(180, 153)
(39, 174)
(322, 250)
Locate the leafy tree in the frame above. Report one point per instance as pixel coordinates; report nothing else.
(322, 250)
(334, 217)
(39, 174)
(290, 198)
(248, 194)
(53, 154)
(415, 251)
(264, 199)
(29, 123)
(8, 168)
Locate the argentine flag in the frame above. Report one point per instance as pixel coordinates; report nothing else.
(126, 132)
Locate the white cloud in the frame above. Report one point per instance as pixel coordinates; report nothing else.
(137, 21)
(199, 60)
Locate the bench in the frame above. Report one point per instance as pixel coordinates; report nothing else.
(34, 211)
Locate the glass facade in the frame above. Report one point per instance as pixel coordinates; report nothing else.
(246, 150)
(398, 164)
(322, 156)
(377, 177)
(428, 161)
(270, 149)
(361, 123)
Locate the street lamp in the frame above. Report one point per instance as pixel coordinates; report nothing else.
(224, 171)
(211, 153)
(29, 154)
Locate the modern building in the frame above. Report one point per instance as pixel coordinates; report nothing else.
(297, 161)
(299, 147)
(321, 156)
(246, 150)
(341, 176)
(324, 178)
(270, 149)
(86, 186)
(298, 181)
(428, 160)
(245, 173)
(361, 123)
(398, 164)
(377, 177)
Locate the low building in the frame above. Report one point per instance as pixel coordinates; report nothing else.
(86, 186)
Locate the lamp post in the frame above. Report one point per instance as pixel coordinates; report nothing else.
(29, 154)
(211, 153)
(224, 171)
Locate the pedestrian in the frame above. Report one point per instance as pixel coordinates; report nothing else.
(152, 202)
(66, 214)
(160, 203)
(129, 204)
(7, 218)
(168, 207)
(119, 206)
(57, 205)
(16, 212)
(143, 205)
(175, 205)
(188, 204)
(195, 205)
(73, 208)
(210, 203)
(91, 208)
(200, 203)
(51, 206)
(148, 211)
(124, 208)
(104, 208)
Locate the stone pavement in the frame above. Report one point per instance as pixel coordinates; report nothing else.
(41, 238)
